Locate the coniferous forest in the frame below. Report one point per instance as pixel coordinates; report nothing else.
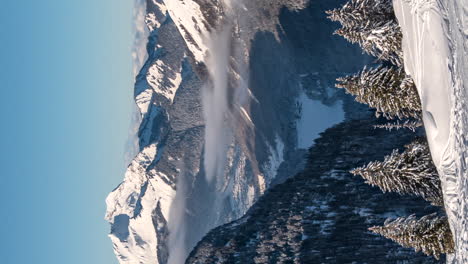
(234, 132)
(392, 93)
(329, 213)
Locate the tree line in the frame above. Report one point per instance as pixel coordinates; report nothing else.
(392, 93)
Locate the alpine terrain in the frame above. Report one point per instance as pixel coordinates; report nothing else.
(243, 145)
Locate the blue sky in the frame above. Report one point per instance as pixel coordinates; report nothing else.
(66, 90)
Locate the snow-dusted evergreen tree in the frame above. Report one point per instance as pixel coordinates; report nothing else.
(408, 124)
(387, 89)
(430, 234)
(371, 24)
(409, 172)
(356, 13)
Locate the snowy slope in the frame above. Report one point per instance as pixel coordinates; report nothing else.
(435, 50)
(166, 203)
(138, 209)
(129, 209)
(192, 24)
(150, 215)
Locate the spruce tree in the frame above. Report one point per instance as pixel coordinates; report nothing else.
(408, 124)
(409, 172)
(371, 24)
(359, 13)
(387, 89)
(430, 234)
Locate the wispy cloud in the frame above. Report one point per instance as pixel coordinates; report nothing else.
(215, 104)
(178, 250)
(139, 56)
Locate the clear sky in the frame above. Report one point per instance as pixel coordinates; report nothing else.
(66, 95)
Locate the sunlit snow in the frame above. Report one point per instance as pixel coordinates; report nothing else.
(434, 46)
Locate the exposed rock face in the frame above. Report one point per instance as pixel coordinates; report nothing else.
(167, 180)
(274, 52)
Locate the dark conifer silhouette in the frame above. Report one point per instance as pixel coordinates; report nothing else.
(371, 24)
(408, 124)
(430, 234)
(387, 89)
(409, 172)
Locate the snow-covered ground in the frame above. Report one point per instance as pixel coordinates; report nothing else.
(315, 118)
(435, 46)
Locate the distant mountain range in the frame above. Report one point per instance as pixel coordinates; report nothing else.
(218, 97)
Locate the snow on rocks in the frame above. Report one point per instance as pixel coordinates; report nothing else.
(130, 209)
(164, 80)
(135, 176)
(143, 101)
(434, 47)
(271, 168)
(190, 21)
(152, 22)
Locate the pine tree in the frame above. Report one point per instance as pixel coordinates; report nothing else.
(371, 24)
(430, 234)
(388, 89)
(409, 172)
(381, 40)
(408, 124)
(358, 13)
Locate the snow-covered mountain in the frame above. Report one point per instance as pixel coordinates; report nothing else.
(435, 47)
(220, 94)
